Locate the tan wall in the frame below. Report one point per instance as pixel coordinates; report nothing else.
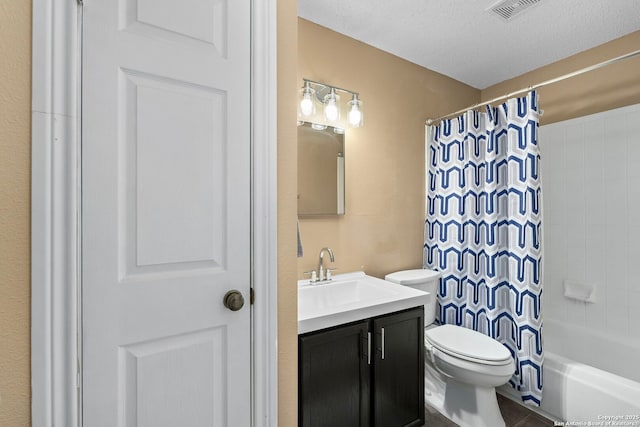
(15, 151)
(287, 14)
(611, 87)
(383, 226)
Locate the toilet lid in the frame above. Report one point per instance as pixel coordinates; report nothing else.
(467, 344)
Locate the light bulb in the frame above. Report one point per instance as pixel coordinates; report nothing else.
(306, 105)
(355, 111)
(331, 111)
(355, 115)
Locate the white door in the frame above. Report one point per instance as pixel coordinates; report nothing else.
(165, 213)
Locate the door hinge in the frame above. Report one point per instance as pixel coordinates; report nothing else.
(252, 296)
(81, 2)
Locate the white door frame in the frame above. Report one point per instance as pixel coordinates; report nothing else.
(55, 214)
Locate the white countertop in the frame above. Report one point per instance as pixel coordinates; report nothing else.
(350, 297)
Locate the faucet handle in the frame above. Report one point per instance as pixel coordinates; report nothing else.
(313, 274)
(329, 270)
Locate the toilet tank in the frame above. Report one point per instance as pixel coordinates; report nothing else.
(424, 280)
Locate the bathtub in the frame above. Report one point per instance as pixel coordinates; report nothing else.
(577, 392)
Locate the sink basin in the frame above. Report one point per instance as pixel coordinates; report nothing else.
(350, 297)
(319, 298)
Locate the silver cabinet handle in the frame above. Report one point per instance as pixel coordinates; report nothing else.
(368, 348)
(382, 343)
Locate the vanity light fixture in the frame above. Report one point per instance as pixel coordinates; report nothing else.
(325, 96)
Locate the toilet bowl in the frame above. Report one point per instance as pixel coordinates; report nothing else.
(462, 366)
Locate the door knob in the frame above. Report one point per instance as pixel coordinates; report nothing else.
(233, 300)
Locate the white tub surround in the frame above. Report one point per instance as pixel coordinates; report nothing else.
(590, 171)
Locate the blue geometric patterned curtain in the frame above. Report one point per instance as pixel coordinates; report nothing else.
(483, 230)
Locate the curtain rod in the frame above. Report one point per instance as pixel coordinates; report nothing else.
(545, 83)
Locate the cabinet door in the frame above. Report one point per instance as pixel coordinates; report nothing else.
(398, 379)
(334, 377)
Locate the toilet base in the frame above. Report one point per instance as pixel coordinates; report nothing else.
(464, 404)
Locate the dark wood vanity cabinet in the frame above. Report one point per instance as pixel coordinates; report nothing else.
(364, 374)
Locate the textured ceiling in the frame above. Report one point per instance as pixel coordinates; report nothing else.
(461, 39)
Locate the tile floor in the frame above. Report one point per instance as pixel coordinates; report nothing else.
(514, 414)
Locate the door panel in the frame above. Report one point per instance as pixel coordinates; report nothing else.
(171, 165)
(165, 213)
(191, 22)
(167, 381)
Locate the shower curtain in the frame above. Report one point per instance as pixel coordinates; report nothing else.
(483, 230)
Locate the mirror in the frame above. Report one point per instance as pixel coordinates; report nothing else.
(320, 170)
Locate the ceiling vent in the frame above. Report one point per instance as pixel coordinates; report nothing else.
(509, 9)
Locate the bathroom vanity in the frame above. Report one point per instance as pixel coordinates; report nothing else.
(361, 353)
(367, 373)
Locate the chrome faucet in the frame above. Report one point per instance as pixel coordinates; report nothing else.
(321, 269)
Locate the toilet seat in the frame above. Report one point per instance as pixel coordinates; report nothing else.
(467, 344)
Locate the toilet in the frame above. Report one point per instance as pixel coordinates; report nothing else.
(462, 367)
